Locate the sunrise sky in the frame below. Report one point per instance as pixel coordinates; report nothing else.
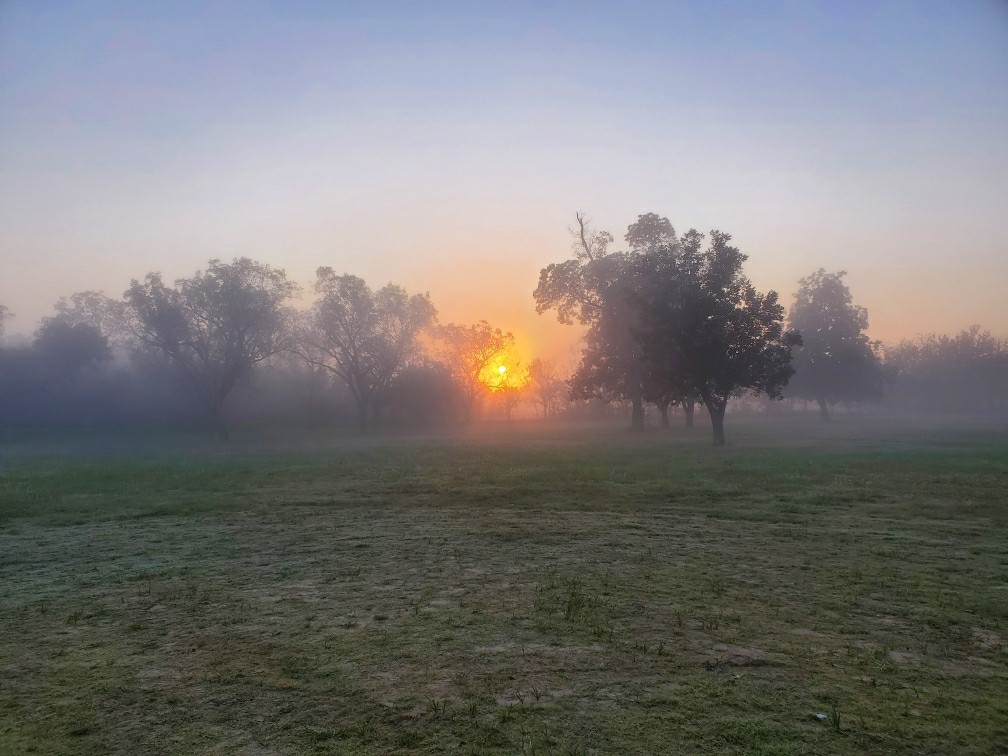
(447, 146)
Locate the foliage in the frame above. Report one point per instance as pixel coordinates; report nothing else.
(594, 289)
(649, 233)
(215, 326)
(64, 349)
(546, 388)
(706, 329)
(968, 371)
(104, 314)
(836, 361)
(467, 351)
(364, 337)
(423, 393)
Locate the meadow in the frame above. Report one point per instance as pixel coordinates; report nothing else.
(810, 588)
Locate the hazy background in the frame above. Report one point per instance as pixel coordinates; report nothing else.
(447, 148)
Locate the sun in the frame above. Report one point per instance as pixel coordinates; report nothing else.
(501, 369)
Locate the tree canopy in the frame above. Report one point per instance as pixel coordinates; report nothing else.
(468, 351)
(364, 337)
(215, 326)
(594, 289)
(706, 329)
(836, 361)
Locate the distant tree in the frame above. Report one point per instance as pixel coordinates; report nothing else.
(546, 388)
(215, 326)
(967, 371)
(5, 313)
(468, 351)
(836, 361)
(64, 350)
(424, 393)
(594, 289)
(509, 386)
(704, 325)
(364, 337)
(93, 308)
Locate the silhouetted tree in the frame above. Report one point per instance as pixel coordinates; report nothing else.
(64, 350)
(836, 361)
(215, 326)
(649, 233)
(706, 327)
(468, 351)
(93, 308)
(5, 313)
(423, 393)
(364, 337)
(594, 289)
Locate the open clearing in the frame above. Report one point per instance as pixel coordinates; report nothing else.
(519, 590)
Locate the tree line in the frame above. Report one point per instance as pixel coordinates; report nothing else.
(670, 321)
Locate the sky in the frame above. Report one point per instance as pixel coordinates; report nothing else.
(446, 147)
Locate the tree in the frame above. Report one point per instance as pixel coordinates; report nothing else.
(594, 289)
(93, 308)
(968, 371)
(509, 386)
(214, 327)
(364, 337)
(5, 313)
(706, 329)
(545, 386)
(64, 350)
(650, 232)
(423, 393)
(468, 351)
(836, 361)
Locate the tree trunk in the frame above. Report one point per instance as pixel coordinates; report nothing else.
(688, 406)
(717, 410)
(823, 410)
(663, 408)
(637, 415)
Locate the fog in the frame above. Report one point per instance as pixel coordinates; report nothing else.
(450, 156)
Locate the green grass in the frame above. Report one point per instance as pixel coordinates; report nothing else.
(515, 591)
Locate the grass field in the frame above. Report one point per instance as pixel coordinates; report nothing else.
(515, 590)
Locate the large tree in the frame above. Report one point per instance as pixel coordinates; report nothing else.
(594, 290)
(468, 351)
(364, 337)
(705, 327)
(836, 361)
(215, 326)
(598, 288)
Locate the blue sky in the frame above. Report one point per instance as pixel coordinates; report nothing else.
(448, 147)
